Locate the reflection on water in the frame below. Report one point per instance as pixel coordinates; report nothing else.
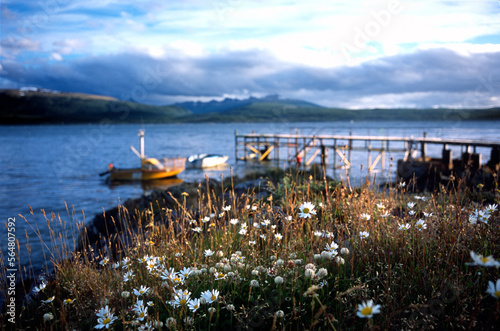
(147, 185)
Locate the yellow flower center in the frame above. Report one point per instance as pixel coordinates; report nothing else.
(141, 315)
(485, 259)
(366, 311)
(213, 297)
(182, 302)
(305, 210)
(497, 294)
(106, 321)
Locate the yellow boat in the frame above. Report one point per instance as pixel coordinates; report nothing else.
(150, 169)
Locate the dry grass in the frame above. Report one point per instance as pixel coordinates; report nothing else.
(419, 277)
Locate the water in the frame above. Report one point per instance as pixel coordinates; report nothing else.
(49, 167)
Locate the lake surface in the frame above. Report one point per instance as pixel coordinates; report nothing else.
(49, 167)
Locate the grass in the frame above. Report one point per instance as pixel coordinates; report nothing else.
(277, 270)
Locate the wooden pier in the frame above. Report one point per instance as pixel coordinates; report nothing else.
(303, 150)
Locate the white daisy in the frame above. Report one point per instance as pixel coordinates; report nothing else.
(491, 208)
(185, 273)
(332, 246)
(421, 225)
(105, 318)
(494, 289)
(306, 210)
(142, 290)
(181, 298)
(128, 276)
(194, 304)
(367, 309)
(365, 217)
(404, 227)
(480, 260)
(363, 234)
(49, 300)
(210, 296)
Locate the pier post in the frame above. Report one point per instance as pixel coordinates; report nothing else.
(297, 150)
(475, 161)
(334, 155)
(350, 148)
(304, 158)
(447, 158)
(466, 157)
(277, 149)
(323, 154)
(495, 155)
(245, 146)
(236, 145)
(385, 145)
(258, 145)
(423, 148)
(369, 155)
(494, 162)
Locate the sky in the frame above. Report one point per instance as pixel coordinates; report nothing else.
(348, 54)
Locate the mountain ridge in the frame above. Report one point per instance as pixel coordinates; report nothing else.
(37, 106)
(228, 104)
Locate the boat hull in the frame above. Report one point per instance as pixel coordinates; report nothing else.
(151, 169)
(140, 174)
(207, 161)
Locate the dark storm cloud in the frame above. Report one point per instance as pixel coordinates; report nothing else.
(437, 72)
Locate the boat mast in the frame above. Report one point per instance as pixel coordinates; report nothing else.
(141, 155)
(141, 137)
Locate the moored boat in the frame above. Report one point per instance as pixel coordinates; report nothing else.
(207, 160)
(150, 169)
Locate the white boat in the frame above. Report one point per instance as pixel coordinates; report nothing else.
(206, 160)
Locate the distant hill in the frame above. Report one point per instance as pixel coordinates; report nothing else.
(280, 112)
(229, 104)
(33, 106)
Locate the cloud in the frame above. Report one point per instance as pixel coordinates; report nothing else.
(69, 46)
(56, 56)
(18, 45)
(425, 78)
